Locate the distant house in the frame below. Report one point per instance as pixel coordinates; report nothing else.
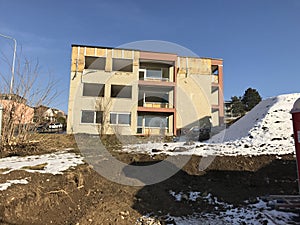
(16, 109)
(47, 114)
(228, 109)
(230, 117)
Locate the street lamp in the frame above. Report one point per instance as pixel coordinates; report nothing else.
(13, 63)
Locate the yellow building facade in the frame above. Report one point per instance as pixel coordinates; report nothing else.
(135, 92)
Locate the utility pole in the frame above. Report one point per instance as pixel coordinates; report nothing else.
(13, 62)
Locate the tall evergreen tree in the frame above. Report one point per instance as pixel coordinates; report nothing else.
(251, 98)
(238, 108)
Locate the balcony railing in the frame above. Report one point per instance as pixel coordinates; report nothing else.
(156, 105)
(155, 79)
(152, 130)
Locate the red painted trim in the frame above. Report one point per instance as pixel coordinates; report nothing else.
(157, 83)
(219, 63)
(216, 62)
(221, 92)
(174, 123)
(174, 100)
(148, 109)
(215, 106)
(158, 56)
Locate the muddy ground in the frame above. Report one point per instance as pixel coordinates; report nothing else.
(82, 196)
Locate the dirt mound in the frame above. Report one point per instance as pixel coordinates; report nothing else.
(82, 196)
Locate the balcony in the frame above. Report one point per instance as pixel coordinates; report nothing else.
(155, 98)
(156, 104)
(156, 71)
(154, 123)
(155, 74)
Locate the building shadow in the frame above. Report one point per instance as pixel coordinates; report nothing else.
(234, 187)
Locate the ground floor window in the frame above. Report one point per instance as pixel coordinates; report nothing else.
(156, 122)
(146, 122)
(90, 116)
(120, 118)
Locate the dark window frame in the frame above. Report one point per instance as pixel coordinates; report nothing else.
(95, 117)
(121, 91)
(117, 118)
(87, 93)
(122, 65)
(94, 63)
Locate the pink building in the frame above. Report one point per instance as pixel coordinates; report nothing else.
(15, 107)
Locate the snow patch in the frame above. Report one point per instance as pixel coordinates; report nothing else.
(55, 163)
(8, 183)
(255, 214)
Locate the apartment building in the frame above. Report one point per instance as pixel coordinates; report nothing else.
(135, 92)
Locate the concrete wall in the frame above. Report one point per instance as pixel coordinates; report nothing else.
(215, 118)
(77, 102)
(194, 91)
(192, 100)
(215, 97)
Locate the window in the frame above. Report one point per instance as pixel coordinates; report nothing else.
(154, 121)
(142, 74)
(87, 116)
(124, 65)
(154, 73)
(140, 121)
(139, 130)
(120, 118)
(93, 90)
(99, 117)
(140, 124)
(90, 116)
(215, 69)
(123, 118)
(156, 97)
(94, 63)
(113, 118)
(121, 91)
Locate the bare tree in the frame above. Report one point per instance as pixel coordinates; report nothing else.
(30, 89)
(103, 105)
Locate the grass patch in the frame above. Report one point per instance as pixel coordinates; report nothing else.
(2, 170)
(35, 167)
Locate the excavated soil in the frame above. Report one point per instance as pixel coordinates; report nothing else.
(81, 196)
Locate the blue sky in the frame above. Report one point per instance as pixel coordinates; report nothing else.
(259, 40)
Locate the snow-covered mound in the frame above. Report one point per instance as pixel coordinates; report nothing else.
(269, 121)
(266, 129)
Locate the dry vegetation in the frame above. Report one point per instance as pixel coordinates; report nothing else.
(31, 88)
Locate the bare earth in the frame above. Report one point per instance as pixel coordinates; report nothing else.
(82, 196)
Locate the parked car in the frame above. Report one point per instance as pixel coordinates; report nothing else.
(41, 128)
(55, 126)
